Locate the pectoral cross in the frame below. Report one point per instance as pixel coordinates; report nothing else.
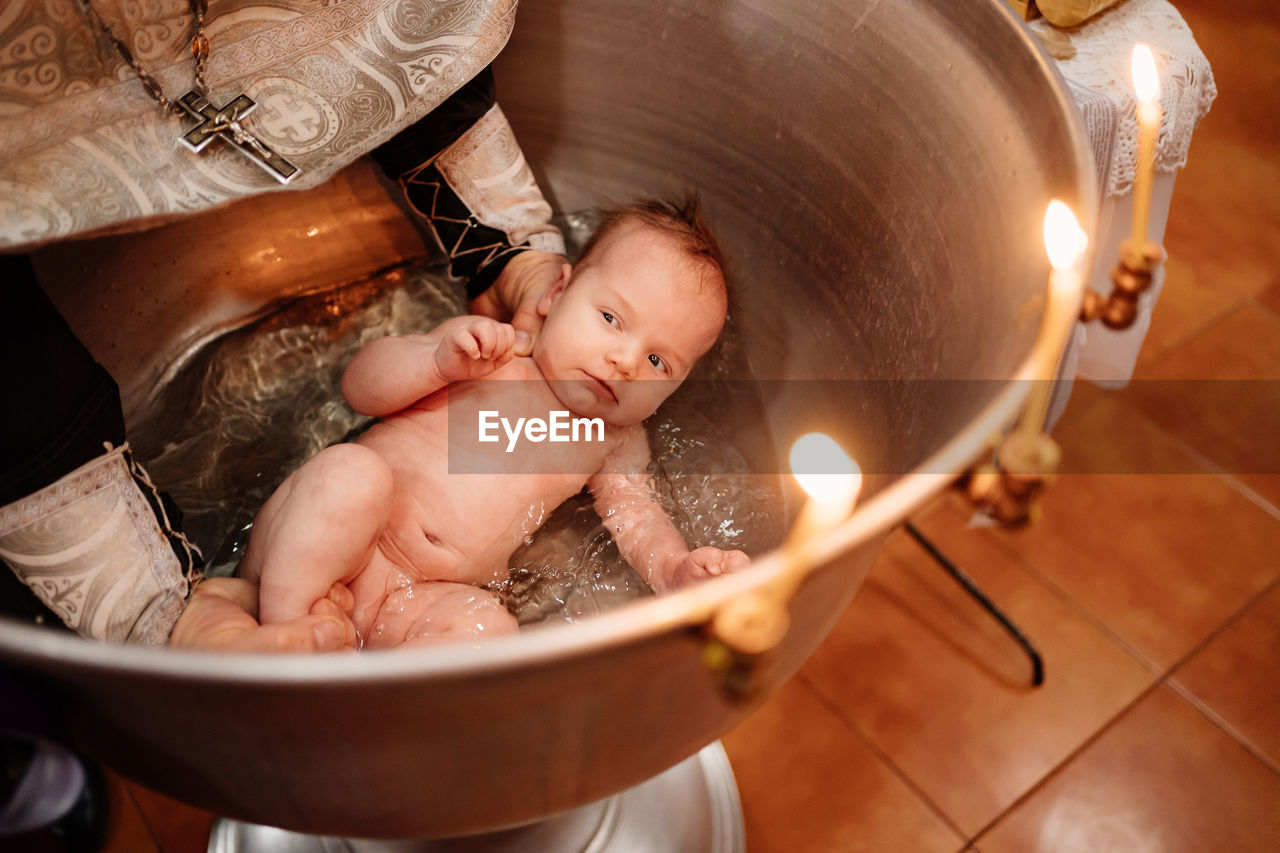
(225, 122)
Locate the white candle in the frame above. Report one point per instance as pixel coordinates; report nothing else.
(1146, 83)
(1065, 243)
(832, 481)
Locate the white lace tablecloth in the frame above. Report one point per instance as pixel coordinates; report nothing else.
(1103, 49)
(84, 149)
(1097, 65)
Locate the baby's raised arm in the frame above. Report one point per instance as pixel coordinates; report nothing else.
(646, 537)
(391, 374)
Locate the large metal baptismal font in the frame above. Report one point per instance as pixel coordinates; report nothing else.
(878, 173)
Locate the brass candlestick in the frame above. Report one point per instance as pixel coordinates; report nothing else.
(1130, 277)
(1025, 463)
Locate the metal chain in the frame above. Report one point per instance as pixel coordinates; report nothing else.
(199, 50)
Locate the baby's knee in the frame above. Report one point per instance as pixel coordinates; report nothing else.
(353, 473)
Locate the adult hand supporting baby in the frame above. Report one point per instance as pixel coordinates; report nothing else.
(514, 296)
(221, 615)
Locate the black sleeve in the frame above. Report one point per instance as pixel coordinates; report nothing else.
(60, 404)
(477, 251)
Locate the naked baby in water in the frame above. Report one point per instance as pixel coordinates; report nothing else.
(414, 544)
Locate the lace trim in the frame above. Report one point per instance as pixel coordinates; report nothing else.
(1103, 50)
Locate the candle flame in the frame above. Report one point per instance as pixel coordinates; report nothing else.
(824, 470)
(1064, 239)
(1146, 80)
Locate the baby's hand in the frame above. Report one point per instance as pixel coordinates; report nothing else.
(478, 347)
(699, 564)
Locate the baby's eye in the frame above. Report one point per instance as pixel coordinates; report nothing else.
(609, 318)
(658, 363)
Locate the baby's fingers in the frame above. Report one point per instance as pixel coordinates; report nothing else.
(495, 340)
(487, 337)
(505, 344)
(465, 342)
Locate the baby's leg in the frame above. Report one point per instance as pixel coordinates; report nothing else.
(319, 528)
(423, 614)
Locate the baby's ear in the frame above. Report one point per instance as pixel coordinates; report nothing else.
(557, 287)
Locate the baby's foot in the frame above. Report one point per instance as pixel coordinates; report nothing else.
(699, 564)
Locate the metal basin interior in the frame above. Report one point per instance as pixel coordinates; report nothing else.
(878, 173)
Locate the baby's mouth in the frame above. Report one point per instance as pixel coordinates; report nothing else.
(603, 389)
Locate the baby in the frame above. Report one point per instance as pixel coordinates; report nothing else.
(414, 544)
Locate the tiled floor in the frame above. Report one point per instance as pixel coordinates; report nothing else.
(1155, 598)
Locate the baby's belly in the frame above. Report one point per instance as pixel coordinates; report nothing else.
(456, 537)
(453, 520)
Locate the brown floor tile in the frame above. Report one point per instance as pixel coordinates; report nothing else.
(809, 783)
(1225, 215)
(1270, 299)
(1084, 394)
(1226, 206)
(1161, 559)
(1235, 676)
(177, 826)
(1185, 303)
(1244, 344)
(1233, 423)
(1241, 40)
(1162, 779)
(946, 694)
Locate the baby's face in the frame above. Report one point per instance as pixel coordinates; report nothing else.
(628, 330)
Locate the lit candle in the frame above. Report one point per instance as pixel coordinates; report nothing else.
(832, 481)
(756, 621)
(1065, 242)
(1146, 83)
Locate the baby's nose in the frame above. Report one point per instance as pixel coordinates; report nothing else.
(624, 360)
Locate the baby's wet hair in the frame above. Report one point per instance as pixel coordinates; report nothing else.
(680, 219)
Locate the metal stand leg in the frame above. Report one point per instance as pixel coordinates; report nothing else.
(971, 587)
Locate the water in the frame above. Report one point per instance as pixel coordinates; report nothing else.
(257, 402)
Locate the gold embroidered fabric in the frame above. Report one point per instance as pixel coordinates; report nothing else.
(84, 148)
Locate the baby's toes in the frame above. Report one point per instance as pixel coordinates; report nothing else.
(706, 562)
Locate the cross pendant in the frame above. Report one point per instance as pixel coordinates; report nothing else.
(225, 122)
